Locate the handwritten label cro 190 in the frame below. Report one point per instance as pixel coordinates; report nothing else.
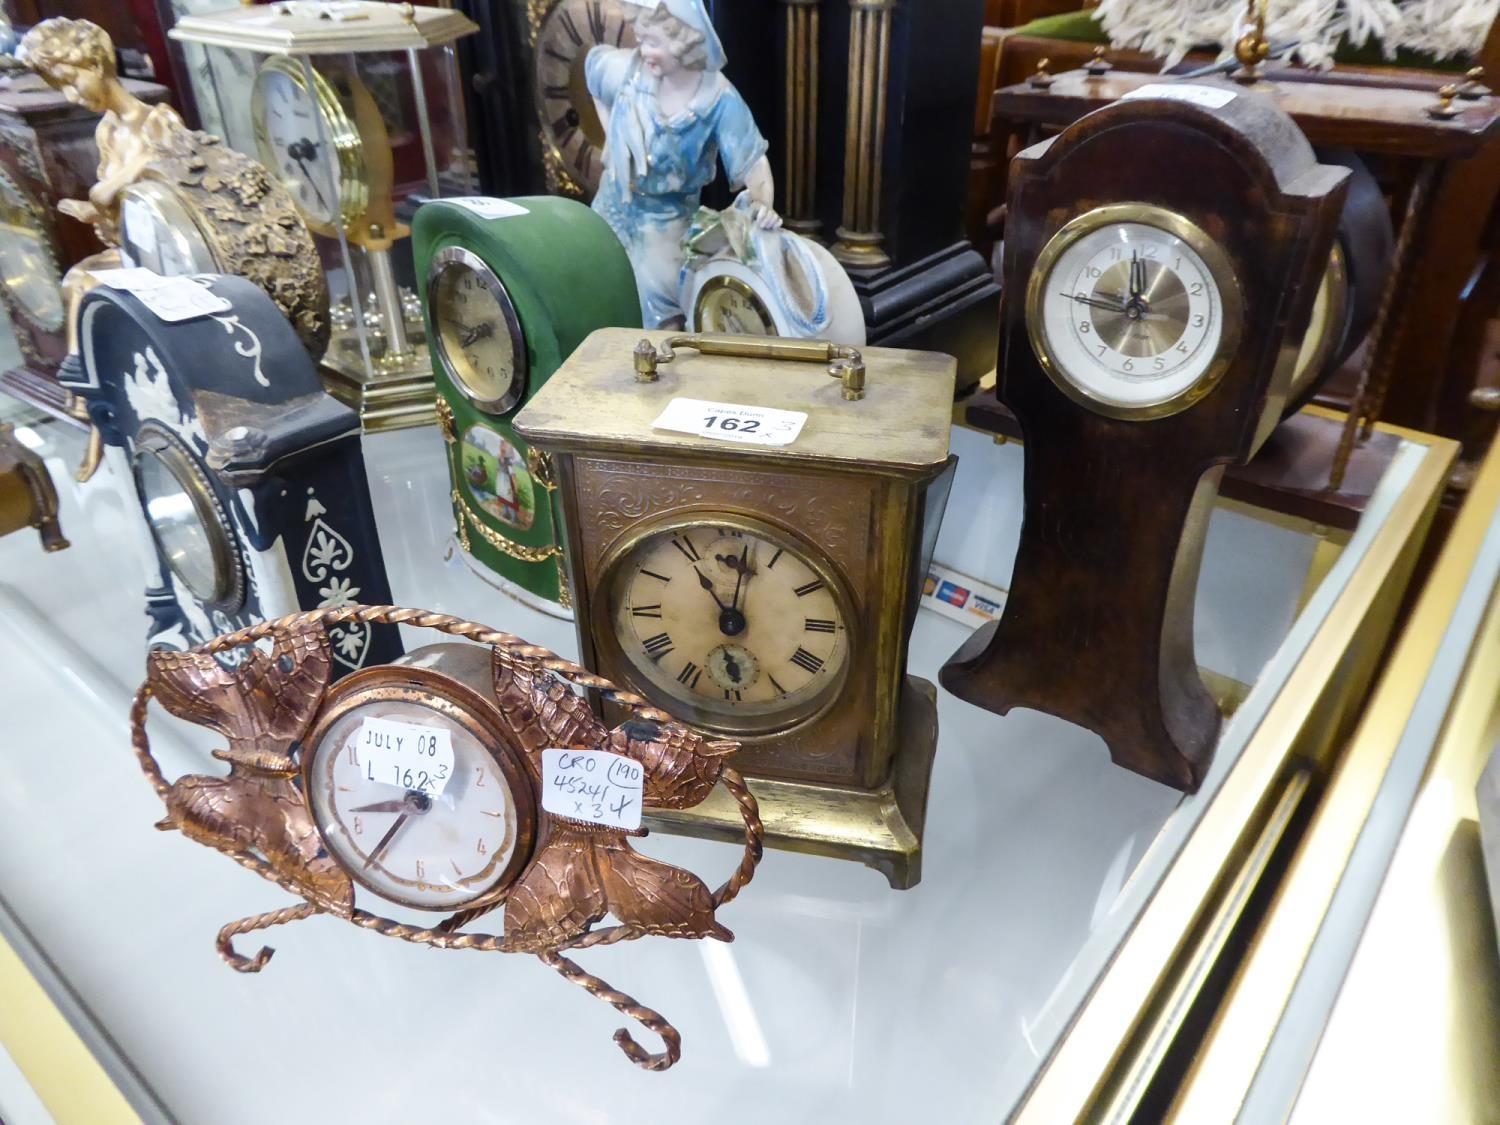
(593, 785)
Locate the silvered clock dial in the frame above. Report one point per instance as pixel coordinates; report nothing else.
(1132, 310)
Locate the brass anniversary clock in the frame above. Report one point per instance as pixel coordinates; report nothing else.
(764, 591)
(1170, 249)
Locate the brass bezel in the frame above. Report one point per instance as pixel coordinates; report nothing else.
(454, 258)
(1231, 302)
(425, 687)
(617, 665)
(348, 145)
(188, 471)
(38, 217)
(737, 285)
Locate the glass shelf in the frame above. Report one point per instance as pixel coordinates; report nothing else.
(1061, 897)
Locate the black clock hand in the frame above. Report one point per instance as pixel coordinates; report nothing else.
(741, 573)
(707, 584)
(1137, 275)
(386, 839)
(1097, 303)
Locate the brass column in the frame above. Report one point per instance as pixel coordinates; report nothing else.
(864, 133)
(799, 176)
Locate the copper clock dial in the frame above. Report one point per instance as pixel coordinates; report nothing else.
(739, 628)
(572, 133)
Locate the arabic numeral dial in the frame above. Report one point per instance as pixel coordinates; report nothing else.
(1129, 315)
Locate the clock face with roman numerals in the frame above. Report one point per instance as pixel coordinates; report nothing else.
(731, 628)
(572, 134)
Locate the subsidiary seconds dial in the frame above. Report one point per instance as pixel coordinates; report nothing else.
(741, 629)
(1130, 316)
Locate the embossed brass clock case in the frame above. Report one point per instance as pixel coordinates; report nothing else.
(847, 774)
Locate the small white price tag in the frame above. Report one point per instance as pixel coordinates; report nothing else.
(593, 785)
(1210, 97)
(487, 208)
(405, 755)
(726, 421)
(172, 299)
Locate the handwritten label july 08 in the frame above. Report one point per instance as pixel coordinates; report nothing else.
(727, 421)
(172, 299)
(1210, 97)
(593, 785)
(487, 208)
(406, 755)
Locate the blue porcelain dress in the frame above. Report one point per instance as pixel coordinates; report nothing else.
(655, 168)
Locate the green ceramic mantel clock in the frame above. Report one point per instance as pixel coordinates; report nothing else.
(510, 288)
(1155, 344)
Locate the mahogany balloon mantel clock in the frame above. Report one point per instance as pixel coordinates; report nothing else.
(1169, 248)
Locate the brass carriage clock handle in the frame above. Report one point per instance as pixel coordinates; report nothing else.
(844, 363)
(27, 497)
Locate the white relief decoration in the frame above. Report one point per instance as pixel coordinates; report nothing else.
(149, 393)
(325, 554)
(249, 348)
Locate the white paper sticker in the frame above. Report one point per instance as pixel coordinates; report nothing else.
(726, 421)
(1211, 97)
(172, 299)
(406, 755)
(487, 208)
(593, 785)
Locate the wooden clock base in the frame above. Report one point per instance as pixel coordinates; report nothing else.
(881, 828)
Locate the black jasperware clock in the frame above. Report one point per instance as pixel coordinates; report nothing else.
(249, 477)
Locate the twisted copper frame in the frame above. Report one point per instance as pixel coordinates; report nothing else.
(445, 935)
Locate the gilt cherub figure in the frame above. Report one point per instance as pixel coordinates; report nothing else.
(670, 117)
(77, 59)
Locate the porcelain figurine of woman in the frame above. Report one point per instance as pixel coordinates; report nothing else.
(670, 115)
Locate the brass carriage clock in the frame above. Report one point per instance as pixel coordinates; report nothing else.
(511, 287)
(1156, 344)
(764, 591)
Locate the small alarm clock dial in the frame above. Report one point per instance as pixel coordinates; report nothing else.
(1131, 315)
(741, 626)
(478, 334)
(292, 145)
(726, 304)
(430, 838)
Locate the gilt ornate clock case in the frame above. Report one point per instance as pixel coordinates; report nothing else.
(47, 154)
(249, 477)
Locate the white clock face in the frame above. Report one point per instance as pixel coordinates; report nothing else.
(739, 628)
(1130, 315)
(429, 841)
(293, 147)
